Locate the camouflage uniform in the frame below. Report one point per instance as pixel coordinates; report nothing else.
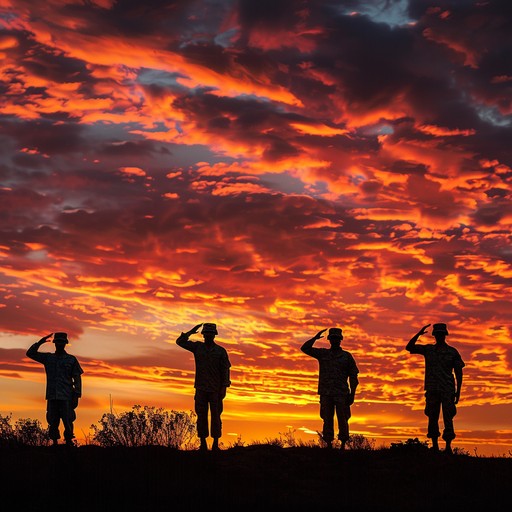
(63, 388)
(336, 367)
(212, 374)
(439, 385)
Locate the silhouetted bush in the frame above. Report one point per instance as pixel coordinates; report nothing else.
(359, 442)
(411, 445)
(462, 451)
(146, 426)
(25, 432)
(31, 433)
(7, 437)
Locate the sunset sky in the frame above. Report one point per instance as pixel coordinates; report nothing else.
(277, 167)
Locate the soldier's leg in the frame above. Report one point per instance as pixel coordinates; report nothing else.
(68, 417)
(201, 409)
(343, 415)
(53, 419)
(432, 411)
(449, 412)
(216, 408)
(327, 415)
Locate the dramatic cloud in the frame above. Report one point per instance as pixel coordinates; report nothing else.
(277, 167)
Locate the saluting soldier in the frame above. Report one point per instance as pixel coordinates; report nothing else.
(212, 379)
(442, 384)
(63, 385)
(337, 384)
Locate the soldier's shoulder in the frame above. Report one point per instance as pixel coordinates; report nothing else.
(454, 351)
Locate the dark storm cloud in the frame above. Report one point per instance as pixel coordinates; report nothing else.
(374, 64)
(130, 18)
(130, 149)
(46, 137)
(367, 59)
(479, 33)
(29, 161)
(491, 142)
(250, 115)
(45, 62)
(19, 207)
(404, 167)
(211, 55)
(251, 121)
(279, 148)
(268, 13)
(492, 213)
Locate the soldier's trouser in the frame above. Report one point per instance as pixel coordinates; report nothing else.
(57, 410)
(435, 402)
(330, 405)
(212, 401)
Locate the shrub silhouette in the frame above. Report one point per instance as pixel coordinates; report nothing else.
(411, 446)
(7, 436)
(359, 442)
(146, 426)
(31, 433)
(25, 432)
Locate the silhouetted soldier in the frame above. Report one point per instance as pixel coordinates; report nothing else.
(63, 385)
(337, 384)
(442, 391)
(211, 381)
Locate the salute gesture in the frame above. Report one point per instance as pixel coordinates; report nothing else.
(423, 330)
(192, 331)
(318, 335)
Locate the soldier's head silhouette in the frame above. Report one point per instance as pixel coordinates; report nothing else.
(335, 336)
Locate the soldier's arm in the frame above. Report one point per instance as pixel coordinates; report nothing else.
(77, 385)
(412, 342)
(458, 382)
(33, 351)
(226, 371)
(182, 339)
(307, 345)
(353, 383)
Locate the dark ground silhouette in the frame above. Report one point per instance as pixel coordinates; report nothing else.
(91, 478)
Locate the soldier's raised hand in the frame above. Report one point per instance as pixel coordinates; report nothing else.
(318, 335)
(194, 329)
(423, 330)
(44, 339)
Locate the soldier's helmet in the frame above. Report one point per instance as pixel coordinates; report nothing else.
(209, 327)
(439, 328)
(335, 332)
(60, 337)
